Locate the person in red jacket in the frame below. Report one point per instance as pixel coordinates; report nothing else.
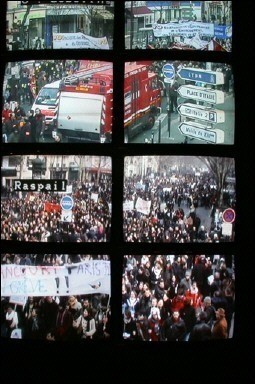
(154, 326)
(6, 112)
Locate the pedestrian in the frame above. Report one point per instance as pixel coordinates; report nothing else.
(154, 325)
(173, 94)
(14, 137)
(25, 260)
(19, 111)
(174, 328)
(39, 124)
(188, 314)
(11, 125)
(57, 137)
(186, 282)
(220, 327)
(209, 310)
(11, 320)
(201, 331)
(6, 112)
(32, 122)
(129, 326)
(25, 131)
(64, 322)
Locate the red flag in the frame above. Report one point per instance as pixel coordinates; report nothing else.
(50, 207)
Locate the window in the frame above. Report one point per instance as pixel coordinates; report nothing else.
(151, 161)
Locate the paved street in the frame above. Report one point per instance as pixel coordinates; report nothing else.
(157, 135)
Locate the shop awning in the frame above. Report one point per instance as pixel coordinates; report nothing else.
(140, 11)
(104, 14)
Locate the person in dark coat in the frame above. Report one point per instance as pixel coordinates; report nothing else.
(32, 122)
(64, 322)
(173, 96)
(174, 328)
(39, 124)
(129, 326)
(201, 331)
(209, 310)
(25, 132)
(49, 311)
(188, 314)
(160, 289)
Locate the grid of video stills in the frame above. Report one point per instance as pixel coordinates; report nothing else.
(117, 171)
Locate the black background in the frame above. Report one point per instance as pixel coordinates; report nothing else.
(117, 361)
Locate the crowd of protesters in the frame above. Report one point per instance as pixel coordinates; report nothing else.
(25, 218)
(166, 220)
(57, 318)
(178, 297)
(178, 41)
(19, 122)
(22, 127)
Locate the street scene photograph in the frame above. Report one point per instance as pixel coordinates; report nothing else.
(57, 101)
(38, 25)
(179, 199)
(174, 102)
(178, 298)
(56, 198)
(55, 297)
(179, 25)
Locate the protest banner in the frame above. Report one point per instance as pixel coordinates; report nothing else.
(88, 277)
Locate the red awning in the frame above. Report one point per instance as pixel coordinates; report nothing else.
(140, 11)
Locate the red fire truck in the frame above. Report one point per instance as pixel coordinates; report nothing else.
(142, 98)
(81, 107)
(85, 105)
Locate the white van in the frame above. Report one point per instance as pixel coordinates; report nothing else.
(47, 102)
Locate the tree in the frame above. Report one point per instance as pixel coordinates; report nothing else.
(89, 12)
(22, 25)
(220, 167)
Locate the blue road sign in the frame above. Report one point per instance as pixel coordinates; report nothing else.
(168, 71)
(66, 202)
(200, 75)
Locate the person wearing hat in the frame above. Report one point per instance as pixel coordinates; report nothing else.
(220, 327)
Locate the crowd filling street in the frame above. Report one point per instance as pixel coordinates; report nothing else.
(172, 210)
(178, 297)
(24, 218)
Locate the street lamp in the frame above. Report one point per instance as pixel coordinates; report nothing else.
(131, 26)
(169, 116)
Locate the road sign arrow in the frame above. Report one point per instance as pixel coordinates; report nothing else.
(211, 96)
(200, 112)
(66, 216)
(201, 75)
(198, 131)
